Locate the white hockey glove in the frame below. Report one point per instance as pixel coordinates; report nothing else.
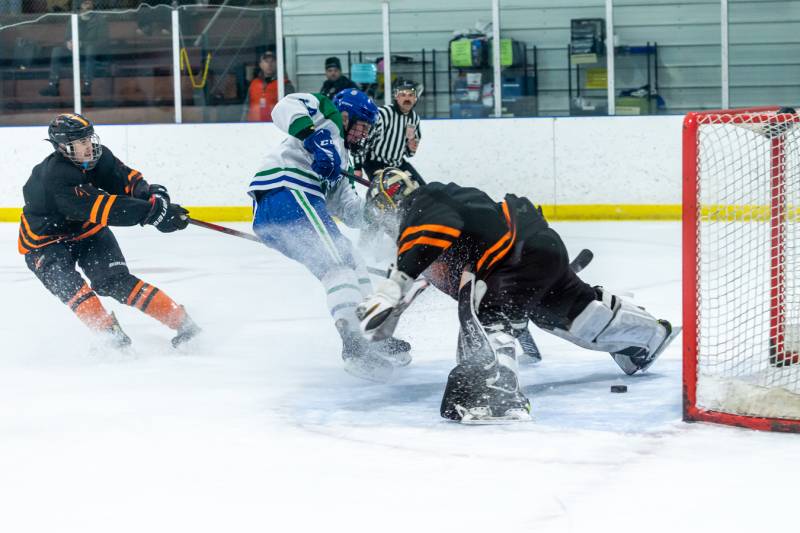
(380, 312)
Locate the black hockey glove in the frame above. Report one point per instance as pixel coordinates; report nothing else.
(158, 190)
(166, 217)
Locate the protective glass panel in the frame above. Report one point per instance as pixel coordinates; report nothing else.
(328, 50)
(228, 62)
(668, 56)
(445, 50)
(764, 53)
(29, 44)
(126, 65)
(555, 62)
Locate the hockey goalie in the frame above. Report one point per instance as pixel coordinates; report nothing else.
(504, 265)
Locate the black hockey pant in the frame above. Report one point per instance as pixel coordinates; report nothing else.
(535, 283)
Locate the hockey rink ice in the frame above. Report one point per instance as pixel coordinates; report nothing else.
(256, 427)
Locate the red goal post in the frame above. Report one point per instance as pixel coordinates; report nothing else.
(741, 268)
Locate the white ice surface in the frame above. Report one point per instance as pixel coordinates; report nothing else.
(257, 427)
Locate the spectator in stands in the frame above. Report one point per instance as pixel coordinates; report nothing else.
(58, 6)
(92, 32)
(150, 20)
(263, 92)
(335, 81)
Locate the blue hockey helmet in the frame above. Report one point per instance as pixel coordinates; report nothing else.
(361, 116)
(358, 105)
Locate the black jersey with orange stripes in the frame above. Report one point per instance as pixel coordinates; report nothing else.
(64, 202)
(447, 228)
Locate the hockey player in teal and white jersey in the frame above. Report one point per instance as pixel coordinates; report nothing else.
(299, 187)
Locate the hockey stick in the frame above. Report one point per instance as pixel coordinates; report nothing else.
(250, 237)
(363, 181)
(223, 229)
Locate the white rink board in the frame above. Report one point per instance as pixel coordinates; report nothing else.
(555, 161)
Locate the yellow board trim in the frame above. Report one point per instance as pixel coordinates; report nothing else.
(611, 212)
(574, 212)
(552, 212)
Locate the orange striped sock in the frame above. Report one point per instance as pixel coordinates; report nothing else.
(88, 308)
(153, 302)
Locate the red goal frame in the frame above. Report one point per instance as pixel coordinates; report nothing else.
(778, 357)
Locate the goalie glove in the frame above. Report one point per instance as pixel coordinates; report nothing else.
(380, 312)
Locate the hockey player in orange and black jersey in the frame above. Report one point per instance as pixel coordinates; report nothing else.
(70, 200)
(503, 264)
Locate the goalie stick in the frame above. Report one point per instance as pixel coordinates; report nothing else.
(581, 260)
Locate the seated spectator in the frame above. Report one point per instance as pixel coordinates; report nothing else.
(335, 81)
(92, 32)
(58, 6)
(263, 92)
(150, 20)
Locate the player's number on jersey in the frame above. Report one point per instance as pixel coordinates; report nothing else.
(311, 110)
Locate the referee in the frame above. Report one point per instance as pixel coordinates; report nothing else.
(396, 134)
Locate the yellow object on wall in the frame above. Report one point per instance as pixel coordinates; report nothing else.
(596, 78)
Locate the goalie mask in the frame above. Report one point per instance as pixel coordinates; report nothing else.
(389, 189)
(74, 137)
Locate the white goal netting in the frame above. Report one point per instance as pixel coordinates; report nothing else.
(748, 285)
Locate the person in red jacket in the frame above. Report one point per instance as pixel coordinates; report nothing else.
(263, 92)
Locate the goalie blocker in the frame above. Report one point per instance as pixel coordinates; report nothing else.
(516, 268)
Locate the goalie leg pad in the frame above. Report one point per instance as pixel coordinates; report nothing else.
(632, 335)
(484, 386)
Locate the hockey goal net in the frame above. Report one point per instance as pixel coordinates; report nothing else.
(741, 268)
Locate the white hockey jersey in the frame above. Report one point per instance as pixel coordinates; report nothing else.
(289, 164)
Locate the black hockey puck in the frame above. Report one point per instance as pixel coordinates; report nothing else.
(619, 388)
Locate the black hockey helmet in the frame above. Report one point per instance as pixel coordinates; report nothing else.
(405, 85)
(389, 188)
(68, 128)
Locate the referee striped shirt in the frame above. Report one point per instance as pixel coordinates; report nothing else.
(387, 140)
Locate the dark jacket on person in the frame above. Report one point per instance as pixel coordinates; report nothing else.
(91, 31)
(449, 228)
(330, 88)
(66, 203)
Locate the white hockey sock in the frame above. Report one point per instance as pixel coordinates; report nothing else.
(362, 275)
(344, 294)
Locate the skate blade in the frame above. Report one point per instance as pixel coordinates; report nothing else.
(398, 359)
(183, 339)
(481, 416)
(530, 359)
(377, 373)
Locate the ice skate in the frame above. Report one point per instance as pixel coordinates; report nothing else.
(186, 331)
(394, 350)
(361, 358)
(475, 395)
(639, 359)
(115, 336)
